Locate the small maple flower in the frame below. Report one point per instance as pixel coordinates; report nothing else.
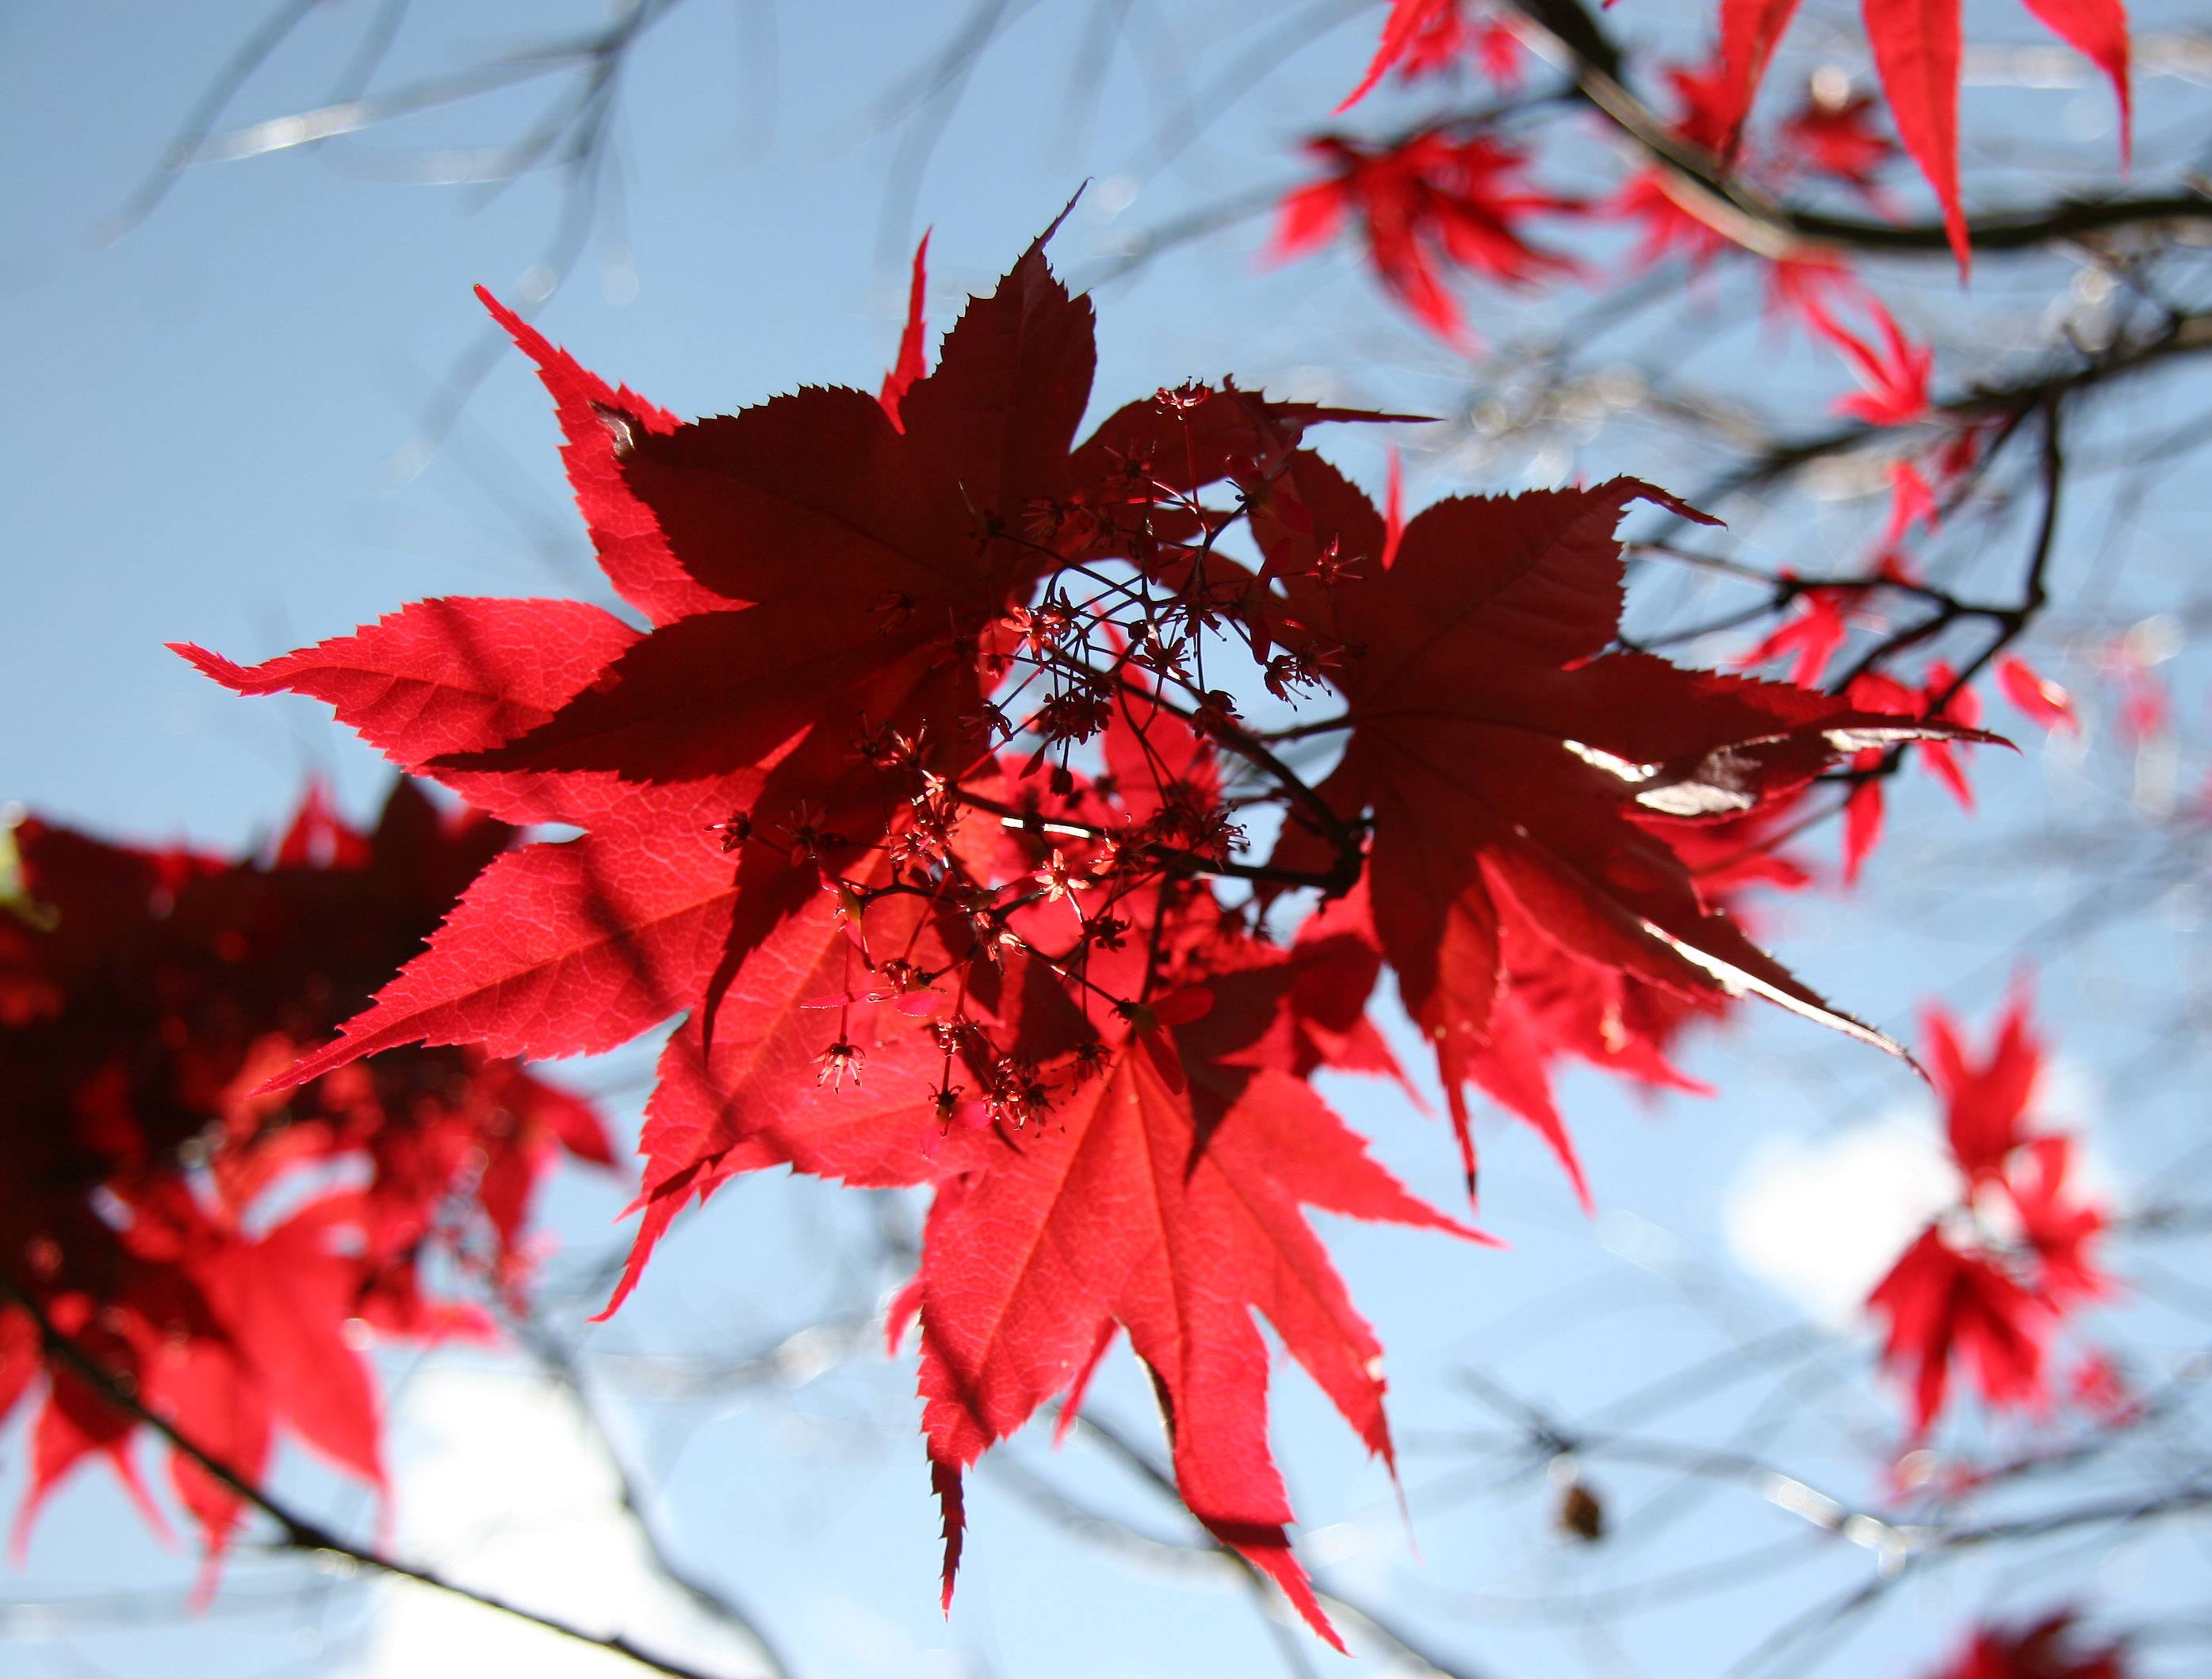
(1160, 652)
(1015, 1095)
(1331, 567)
(839, 1060)
(1076, 714)
(735, 830)
(894, 607)
(990, 721)
(1216, 714)
(1059, 879)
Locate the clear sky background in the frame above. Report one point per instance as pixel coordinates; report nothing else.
(215, 433)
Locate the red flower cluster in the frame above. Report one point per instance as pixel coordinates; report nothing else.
(226, 1251)
(916, 802)
(1986, 1285)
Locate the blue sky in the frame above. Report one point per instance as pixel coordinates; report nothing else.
(216, 435)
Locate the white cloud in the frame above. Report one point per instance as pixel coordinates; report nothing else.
(1821, 1221)
(500, 1486)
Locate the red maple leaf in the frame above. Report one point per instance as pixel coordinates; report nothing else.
(2043, 700)
(1989, 1283)
(1895, 376)
(1552, 1005)
(1424, 38)
(1864, 811)
(1837, 139)
(1429, 199)
(1501, 758)
(2047, 1649)
(1948, 1306)
(910, 364)
(1412, 30)
(1809, 639)
(1169, 1205)
(1655, 196)
(1985, 1102)
(2058, 1229)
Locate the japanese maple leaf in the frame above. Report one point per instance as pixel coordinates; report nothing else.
(1985, 1100)
(1950, 1307)
(1837, 139)
(2036, 695)
(1991, 1291)
(1865, 810)
(1411, 31)
(1916, 47)
(1499, 754)
(797, 1076)
(2058, 1228)
(911, 364)
(1490, 41)
(1809, 639)
(813, 572)
(1427, 199)
(2050, 1648)
(1334, 964)
(1652, 195)
(1553, 1005)
(1911, 501)
(1425, 37)
(1895, 377)
(1173, 1214)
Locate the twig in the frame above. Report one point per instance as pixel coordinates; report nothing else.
(301, 1533)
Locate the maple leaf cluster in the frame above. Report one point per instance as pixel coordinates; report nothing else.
(1917, 48)
(1450, 196)
(1988, 1284)
(226, 1251)
(926, 796)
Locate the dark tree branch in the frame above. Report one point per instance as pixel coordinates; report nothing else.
(1760, 223)
(300, 1532)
